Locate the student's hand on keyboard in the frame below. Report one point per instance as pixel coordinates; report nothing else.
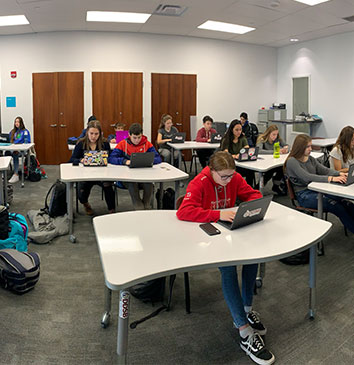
(341, 179)
(227, 215)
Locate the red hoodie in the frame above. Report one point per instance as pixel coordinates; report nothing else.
(204, 197)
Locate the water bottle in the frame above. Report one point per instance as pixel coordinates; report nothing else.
(276, 150)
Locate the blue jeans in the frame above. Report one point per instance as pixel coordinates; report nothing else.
(232, 294)
(15, 157)
(342, 208)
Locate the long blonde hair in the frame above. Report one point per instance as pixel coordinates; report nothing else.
(85, 140)
(164, 119)
(263, 138)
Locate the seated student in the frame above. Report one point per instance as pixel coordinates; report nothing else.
(204, 135)
(265, 142)
(136, 142)
(215, 188)
(246, 128)
(91, 118)
(302, 169)
(93, 141)
(342, 154)
(19, 134)
(117, 127)
(164, 135)
(232, 142)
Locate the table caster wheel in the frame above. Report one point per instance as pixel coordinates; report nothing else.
(72, 238)
(259, 283)
(105, 320)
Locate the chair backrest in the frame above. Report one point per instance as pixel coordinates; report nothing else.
(294, 201)
(179, 201)
(290, 189)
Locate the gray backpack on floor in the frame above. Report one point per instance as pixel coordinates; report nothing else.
(19, 271)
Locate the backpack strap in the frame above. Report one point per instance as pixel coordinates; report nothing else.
(46, 206)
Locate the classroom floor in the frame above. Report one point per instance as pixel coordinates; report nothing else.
(59, 321)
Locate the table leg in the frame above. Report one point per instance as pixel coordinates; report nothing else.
(23, 169)
(161, 195)
(312, 281)
(123, 322)
(179, 159)
(176, 191)
(261, 182)
(2, 194)
(69, 204)
(320, 205)
(5, 188)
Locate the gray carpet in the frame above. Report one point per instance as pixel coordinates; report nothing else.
(59, 321)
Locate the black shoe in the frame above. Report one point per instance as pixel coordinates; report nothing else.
(276, 189)
(253, 346)
(254, 321)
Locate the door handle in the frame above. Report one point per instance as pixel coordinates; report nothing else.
(177, 113)
(63, 125)
(53, 125)
(178, 123)
(112, 125)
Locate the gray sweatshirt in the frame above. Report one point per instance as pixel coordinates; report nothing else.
(303, 173)
(266, 148)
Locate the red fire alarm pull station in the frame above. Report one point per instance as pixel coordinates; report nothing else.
(13, 74)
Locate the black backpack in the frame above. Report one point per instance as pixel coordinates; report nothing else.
(4, 223)
(301, 258)
(33, 170)
(253, 133)
(57, 200)
(149, 291)
(168, 199)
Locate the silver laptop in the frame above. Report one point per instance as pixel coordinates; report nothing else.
(350, 178)
(179, 137)
(142, 159)
(248, 213)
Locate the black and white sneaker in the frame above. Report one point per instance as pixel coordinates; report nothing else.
(255, 322)
(254, 347)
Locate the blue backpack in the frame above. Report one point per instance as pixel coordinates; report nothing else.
(18, 232)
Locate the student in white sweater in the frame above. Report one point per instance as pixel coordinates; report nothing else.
(342, 154)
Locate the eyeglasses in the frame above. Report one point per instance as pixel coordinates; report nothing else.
(225, 177)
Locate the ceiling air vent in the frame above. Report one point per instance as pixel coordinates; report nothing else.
(170, 10)
(349, 18)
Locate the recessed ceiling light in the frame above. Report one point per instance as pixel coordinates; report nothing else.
(116, 17)
(225, 27)
(294, 39)
(311, 2)
(13, 20)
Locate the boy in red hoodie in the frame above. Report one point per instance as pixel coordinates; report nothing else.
(217, 187)
(136, 142)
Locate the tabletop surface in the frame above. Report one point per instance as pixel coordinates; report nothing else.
(334, 189)
(268, 162)
(71, 147)
(5, 162)
(324, 142)
(158, 173)
(142, 245)
(193, 145)
(17, 147)
(293, 121)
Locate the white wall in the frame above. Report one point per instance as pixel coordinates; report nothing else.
(330, 64)
(232, 77)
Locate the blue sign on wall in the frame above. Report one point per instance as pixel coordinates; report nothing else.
(11, 101)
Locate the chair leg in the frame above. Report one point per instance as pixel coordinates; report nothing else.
(187, 293)
(77, 197)
(320, 249)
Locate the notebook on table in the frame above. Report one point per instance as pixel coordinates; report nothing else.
(145, 159)
(216, 138)
(248, 213)
(95, 158)
(248, 154)
(350, 178)
(179, 137)
(120, 135)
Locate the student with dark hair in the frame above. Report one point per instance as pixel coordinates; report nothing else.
(19, 134)
(266, 142)
(204, 135)
(135, 143)
(342, 154)
(117, 127)
(247, 129)
(93, 141)
(90, 119)
(233, 141)
(302, 169)
(218, 187)
(164, 135)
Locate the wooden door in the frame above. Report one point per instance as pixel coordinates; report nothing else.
(117, 97)
(174, 94)
(45, 117)
(58, 113)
